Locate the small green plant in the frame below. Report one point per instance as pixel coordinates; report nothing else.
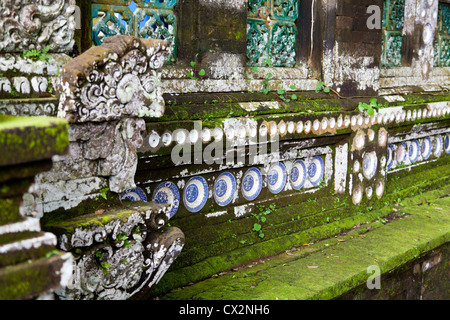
(322, 87)
(104, 267)
(103, 193)
(369, 108)
(200, 73)
(123, 237)
(260, 217)
(38, 55)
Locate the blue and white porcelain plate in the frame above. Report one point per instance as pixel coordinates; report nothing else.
(277, 177)
(167, 193)
(390, 159)
(298, 174)
(447, 143)
(224, 189)
(195, 194)
(413, 151)
(315, 170)
(136, 194)
(251, 184)
(370, 162)
(426, 148)
(437, 146)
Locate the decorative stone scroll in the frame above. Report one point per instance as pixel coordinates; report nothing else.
(115, 80)
(118, 254)
(27, 25)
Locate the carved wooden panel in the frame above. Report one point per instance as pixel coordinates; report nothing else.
(145, 19)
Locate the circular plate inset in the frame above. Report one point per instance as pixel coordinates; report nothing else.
(136, 194)
(251, 184)
(426, 148)
(370, 164)
(447, 143)
(224, 189)
(437, 146)
(167, 193)
(195, 194)
(298, 175)
(316, 170)
(413, 151)
(277, 177)
(390, 159)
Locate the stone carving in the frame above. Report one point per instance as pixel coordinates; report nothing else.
(123, 258)
(115, 80)
(26, 25)
(107, 90)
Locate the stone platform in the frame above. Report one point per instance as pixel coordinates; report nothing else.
(409, 246)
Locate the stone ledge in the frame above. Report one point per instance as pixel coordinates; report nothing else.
(332, 267)
(30, 279)
(28, 139)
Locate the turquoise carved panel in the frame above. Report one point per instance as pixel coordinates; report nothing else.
(271, 32)
(393, 20)
(141, 18)
(442, 44)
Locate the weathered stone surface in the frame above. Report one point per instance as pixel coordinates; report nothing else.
(27, 267)
(120, 253)
(26, 25)
(31, 139)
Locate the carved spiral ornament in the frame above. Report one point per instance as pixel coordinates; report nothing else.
(119, 80)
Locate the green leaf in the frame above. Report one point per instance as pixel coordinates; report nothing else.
(293, 87)
(373, 101)
(294, 97)
(320, 84)
(201, 72)
(269, 75)
(280, 91)
(255, 69)
(263, 219)
(256, 227)
(193, 63)
(261, 235)
(103, 193)
(370, 111)
(326, 89)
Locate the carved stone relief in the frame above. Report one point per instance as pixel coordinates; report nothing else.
(123, 258)
(115, 80)
(26, 25)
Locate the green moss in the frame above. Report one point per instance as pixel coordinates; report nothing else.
(332, 267)
(32, 138)
(26, 280)
(225, 242)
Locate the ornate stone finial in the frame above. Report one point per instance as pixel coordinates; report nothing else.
(115, 80)
(27, 25)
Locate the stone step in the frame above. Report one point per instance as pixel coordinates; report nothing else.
(334, 267)
(33, 278)
(24, 246)
(25, 224)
